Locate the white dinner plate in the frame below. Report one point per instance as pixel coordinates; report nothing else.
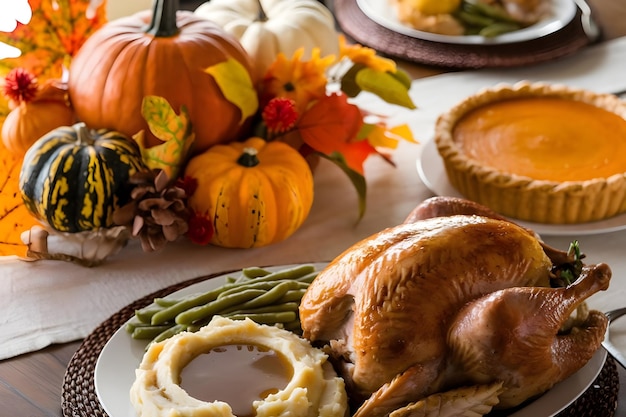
(115, 369)
(433, 173)
(562, 12)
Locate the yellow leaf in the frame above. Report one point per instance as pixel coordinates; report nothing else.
(235, 83)
(403, 132)
(385, 85)
(381, 136)
(175, 131)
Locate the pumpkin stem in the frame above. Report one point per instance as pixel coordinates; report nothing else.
(262, 17)
(163, 23)
(83, 135)
(249, 158)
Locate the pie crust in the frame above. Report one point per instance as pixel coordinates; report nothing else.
(523, 197)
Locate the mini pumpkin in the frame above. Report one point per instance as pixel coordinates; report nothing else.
(36, 109)
(267, 27)
(255, 192)
(160, 53)
(74, 178)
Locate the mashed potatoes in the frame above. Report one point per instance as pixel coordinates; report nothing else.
(314, 389)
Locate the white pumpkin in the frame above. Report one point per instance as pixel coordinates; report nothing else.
(267, 27)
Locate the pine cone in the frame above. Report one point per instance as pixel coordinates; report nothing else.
(157, 213)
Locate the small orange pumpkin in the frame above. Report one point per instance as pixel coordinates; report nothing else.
(161, 53)
(255, 192)
(35, 110)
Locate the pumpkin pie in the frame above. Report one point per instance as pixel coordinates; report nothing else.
(538, 152)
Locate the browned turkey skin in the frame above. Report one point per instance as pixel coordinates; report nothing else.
(446, 301)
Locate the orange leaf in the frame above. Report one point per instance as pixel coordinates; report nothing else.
(14, 217)
(331, 126)
(57, 29)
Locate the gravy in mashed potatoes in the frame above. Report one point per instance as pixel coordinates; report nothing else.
(236, 374)
(311, 387)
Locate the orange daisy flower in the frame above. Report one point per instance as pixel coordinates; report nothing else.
(301, 81)
(366, 56)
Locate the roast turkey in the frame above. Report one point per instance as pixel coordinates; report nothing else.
(450, 301)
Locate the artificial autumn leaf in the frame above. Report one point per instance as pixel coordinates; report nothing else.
(379, 135)
(357, 179)
(18, 12)
(332, 125)
(235, 83)
(385, 85)
(14, 217)
(173, 130)
(55, 32)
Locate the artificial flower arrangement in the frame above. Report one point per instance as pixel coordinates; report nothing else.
(254, 190)
(305, 104)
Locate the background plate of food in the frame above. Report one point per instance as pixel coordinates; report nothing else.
(527, 20)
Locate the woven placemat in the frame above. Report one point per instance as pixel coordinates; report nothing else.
(365, 31)
(79, 398)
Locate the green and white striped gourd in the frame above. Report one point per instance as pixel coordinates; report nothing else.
(73, 178)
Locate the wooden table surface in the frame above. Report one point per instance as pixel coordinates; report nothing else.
(30, 384)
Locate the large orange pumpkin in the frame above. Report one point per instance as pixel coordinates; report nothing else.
(163, 52)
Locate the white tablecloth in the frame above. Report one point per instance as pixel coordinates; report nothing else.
(52, 302)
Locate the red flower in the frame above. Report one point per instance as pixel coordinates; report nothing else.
(20, 85)
(280, 114)
(200, 229)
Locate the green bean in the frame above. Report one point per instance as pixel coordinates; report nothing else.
(257, 292)
(266, 286)
(293, 326)
(485, 20)
(145, 314)
(197, 325)
(266, 318)
(214, 307)
(491, 11)
(472, 19)
(497, 29)
(291, 273)
(172, 331)
(308, 278)
(289, 306)
(292, 295)
(149, 332)
(131, 325)
(167, 301)
(271, 296)
(254, 272)
(169, 313)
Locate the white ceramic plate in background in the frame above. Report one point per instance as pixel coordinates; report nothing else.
(381, 12)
